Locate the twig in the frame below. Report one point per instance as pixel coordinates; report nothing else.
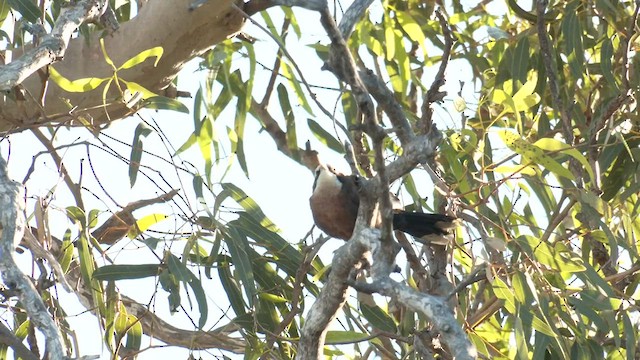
(286, 53)
(434, 94)
(333, 295)
(30, 241)
(73, 187)
(413, 260)
(477, 274)
(557, 218)
(547, 59)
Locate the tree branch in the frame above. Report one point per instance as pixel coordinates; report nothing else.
(333, 294)
(547, 59)
(353, 14)
(53, 46)
(7, 337)
(434, 94)
(181, 33)
(152, 325)
(13, 223)
(434, 308)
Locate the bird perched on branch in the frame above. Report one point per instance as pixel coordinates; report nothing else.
(335, 201)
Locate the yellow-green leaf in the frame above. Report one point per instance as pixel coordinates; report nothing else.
(137, 88)
(142, 56)
(145, 223)
(80, 85)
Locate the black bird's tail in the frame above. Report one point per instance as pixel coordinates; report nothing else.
(435, 228)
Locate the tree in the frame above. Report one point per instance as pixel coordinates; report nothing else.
(538, 163)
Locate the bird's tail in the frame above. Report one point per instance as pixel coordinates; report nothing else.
(435, 228)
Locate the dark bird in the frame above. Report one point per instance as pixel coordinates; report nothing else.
(335, 201)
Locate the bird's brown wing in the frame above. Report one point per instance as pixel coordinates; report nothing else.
(335, 212)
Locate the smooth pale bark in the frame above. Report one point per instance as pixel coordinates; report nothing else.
(181, 32)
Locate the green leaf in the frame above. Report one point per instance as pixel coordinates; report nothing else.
(520, 59)
(201, 298)
(142, 56)
(165, 103)
(324, 136)
(242, 106)
(522, 350)
(297, 88)
(79, 85)
(177, 268)
(285, 255)
(145, 223)
(519, 288)
(525, 98)
(27, 8)
(345, 337)
(107, 59)
(272, 298)
(572, 33)
(187, 144)
(231, 288)
(77, 215)
(606, 54)
(550, 144)
(93, 218)
(249, 205)
(142, 131)
(238, 245)
(112, 299)
(504, 292)
(542, 326)
(87, 268)
(4, 11)
(135, 93)
(412, 28)
(378, 318)
(287, 112)
(126, 272)
(134, 334)
(66, 249)
(389, 38)
(631, 335)
(532, 154)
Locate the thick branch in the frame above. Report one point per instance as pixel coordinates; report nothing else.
(333, 294)
(53, 46)
(434, 308)
(439, 314)
(353, 14)
(183, 34)
(13, 222)
(385, 99)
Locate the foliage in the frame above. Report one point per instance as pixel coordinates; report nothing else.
(540, 161)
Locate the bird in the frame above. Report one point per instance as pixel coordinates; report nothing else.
(334, 206)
